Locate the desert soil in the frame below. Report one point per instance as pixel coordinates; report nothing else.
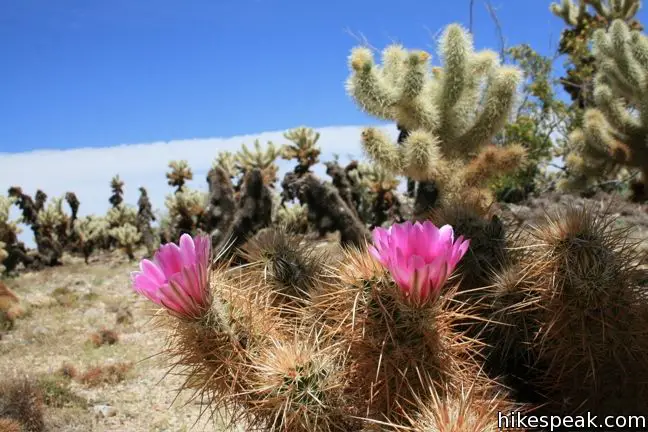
(66, 304)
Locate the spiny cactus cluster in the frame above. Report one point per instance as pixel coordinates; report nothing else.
(298, 339)
(614, 133)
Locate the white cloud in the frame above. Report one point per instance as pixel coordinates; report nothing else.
(88, 171)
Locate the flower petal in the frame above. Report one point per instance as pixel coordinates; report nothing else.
(187, 249)
(169, 259)
(152, 271)
(145, 286)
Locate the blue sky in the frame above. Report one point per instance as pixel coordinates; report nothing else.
(91, 73)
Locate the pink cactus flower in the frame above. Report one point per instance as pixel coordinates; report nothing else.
(419, 256)
(178, 277)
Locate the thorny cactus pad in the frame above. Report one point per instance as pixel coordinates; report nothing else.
(420, 257)
(178, 277)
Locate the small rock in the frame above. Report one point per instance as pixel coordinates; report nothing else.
(124, 316)
(104, 411)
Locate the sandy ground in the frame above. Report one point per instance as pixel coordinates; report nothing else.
(65, 306)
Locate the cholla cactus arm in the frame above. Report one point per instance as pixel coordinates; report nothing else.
(180, 173)
(8, 229)
(570, 12)
(573, 13)
(500, 97)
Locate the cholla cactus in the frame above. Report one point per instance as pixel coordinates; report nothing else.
(304, 148)
(226, 160)
(293, 218)
(450, 113)
(127, 238)
(3, 255)
(144, 217)
(91, 231)
(117, 186)
(378, 188)
(179, 175)
(573, 13)
(614, 134)
(9, 231)
(186, 207)
(583, 18)
(121, 214)
(263, 159)
(52, 232)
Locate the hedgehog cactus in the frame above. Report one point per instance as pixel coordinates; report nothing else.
(450, 114)
(556, 328)
(304, 148)
(614, 133)
(179, 175)
(296, 341)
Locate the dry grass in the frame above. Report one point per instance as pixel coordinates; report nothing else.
(66, 304)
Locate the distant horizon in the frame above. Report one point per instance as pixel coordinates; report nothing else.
(146, 164)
